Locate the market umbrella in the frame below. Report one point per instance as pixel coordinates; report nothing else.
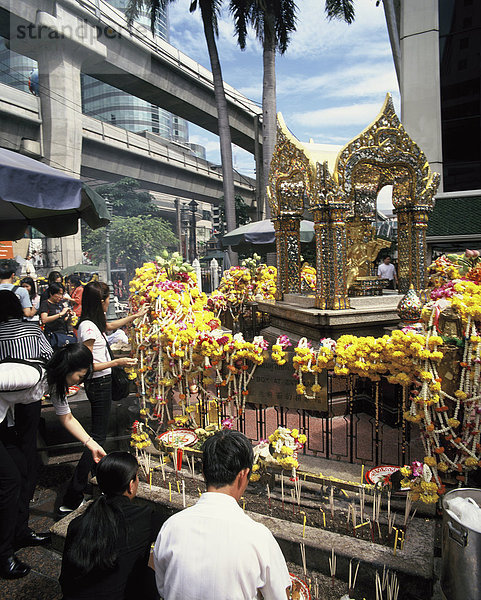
(262, 232)
(32, 193)
(79, 268)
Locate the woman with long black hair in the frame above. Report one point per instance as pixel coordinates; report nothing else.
(107, 547)
(22, 384)
(29, 284)
(91, 331)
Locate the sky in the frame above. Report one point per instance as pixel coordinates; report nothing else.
(331, 81)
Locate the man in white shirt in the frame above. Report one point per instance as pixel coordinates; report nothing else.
(387, 270)
(213, 550)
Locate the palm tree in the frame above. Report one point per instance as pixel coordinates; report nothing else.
(273, 22)
(209, 10)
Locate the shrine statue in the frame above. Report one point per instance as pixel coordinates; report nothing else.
(361, 253)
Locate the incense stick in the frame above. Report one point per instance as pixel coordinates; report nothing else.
(332, 566)
(303, 557)
(183, 493)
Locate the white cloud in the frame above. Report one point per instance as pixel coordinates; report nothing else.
(355, 114)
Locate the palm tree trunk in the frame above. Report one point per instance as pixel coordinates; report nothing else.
(269, 129)
(223, 121)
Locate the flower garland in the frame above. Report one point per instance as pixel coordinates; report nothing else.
(181, 348)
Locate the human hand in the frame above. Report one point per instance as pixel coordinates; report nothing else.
(143, 311)
(97, 451)
(126, 362)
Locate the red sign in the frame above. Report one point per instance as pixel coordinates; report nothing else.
(6, 250)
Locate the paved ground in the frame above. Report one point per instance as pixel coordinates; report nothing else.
(41, 583)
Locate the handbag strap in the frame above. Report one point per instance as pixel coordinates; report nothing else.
(108, 347)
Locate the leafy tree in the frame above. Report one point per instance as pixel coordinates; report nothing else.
(242, 211)
(133, 240)
(127, 198)
(209, 10)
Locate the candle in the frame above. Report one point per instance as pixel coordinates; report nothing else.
(183, 492)
(178, 487)
(303, 525)
(395, 541)
(323, 517)
(150, 478)
(362, 473)
(170, 492)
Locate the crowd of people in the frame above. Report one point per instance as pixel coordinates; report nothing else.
(210, 550)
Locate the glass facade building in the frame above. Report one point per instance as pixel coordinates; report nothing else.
(460, 77)
(107, 103)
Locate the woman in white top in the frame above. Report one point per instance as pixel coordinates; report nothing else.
(91, 331)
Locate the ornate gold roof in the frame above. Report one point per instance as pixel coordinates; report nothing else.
(382, 154)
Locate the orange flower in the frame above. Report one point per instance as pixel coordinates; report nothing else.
(430, 427)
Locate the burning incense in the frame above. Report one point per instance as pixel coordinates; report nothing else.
(269, 495)
(352, 580)
(362, 500)
(332, 566)
(378, 587)
(393, 587)
(162, 465)
(390, 522)
(303, 557)
(407, 509)
(388, 504)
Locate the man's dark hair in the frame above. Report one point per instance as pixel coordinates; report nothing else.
(55, 288)
(7, 268)
(225, 454)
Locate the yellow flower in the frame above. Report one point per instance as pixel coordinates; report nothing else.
(295, 433)
(254, 477)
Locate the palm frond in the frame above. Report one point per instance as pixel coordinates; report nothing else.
(342, 10)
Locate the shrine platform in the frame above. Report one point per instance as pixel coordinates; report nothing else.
(297, 317)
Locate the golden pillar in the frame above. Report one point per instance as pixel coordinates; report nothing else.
(288, 246)
(412, 252)
(331, 256)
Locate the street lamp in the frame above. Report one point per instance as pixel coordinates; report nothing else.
(111, 316)
(193, 238)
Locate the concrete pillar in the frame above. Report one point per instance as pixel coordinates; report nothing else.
(198, 272)
(61, 104)
(214, 268)
(420, 79)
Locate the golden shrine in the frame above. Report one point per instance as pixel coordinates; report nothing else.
(341, 196)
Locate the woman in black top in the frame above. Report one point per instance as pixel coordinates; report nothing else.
(56, 317)
(107, 547)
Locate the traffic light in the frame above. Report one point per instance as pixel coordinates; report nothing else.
(216, 220)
